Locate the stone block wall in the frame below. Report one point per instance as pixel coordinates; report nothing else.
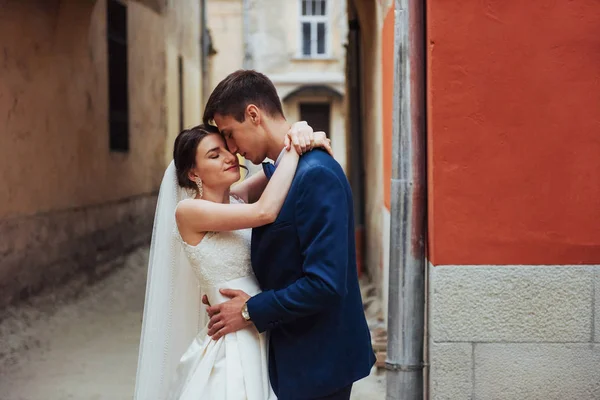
(514, 332)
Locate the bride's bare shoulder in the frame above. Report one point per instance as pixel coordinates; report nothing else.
(185, 207)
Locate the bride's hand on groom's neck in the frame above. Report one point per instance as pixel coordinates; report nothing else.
(304, 139)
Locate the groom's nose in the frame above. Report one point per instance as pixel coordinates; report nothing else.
(231, 158)
(231, 146)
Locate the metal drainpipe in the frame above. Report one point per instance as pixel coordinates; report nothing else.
(247, 63)
(408, 208)
(204, 50)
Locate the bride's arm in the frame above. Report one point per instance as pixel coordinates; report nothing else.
(251, 188)
(302, 137)
(203, 216)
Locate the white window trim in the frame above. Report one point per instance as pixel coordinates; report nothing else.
(313, 20)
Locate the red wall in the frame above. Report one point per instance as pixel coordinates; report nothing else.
(514, 131)
(387, 63)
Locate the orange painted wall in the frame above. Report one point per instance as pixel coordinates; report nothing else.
(514, 132)
(387, 62)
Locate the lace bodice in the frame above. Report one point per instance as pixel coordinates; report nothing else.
(220, 256)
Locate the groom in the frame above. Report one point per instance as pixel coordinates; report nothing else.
(305, 261)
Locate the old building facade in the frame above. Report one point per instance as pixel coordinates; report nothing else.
(92, 94)
(299, 44)
(513, 248)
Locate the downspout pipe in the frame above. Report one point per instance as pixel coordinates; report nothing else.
(204, 50)
(247, 62)
(406, 303)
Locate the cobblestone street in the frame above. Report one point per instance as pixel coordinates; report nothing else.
(86, 347)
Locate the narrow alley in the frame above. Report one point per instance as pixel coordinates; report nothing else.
(86, 347)
(468, 134)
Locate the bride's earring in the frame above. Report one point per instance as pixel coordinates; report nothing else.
(199, 184)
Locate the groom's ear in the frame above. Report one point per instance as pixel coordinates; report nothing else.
(253, 114)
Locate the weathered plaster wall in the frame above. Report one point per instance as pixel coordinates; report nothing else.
(68, 201)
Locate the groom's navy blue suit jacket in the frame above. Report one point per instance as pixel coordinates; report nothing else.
(305, 263)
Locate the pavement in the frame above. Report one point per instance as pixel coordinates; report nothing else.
(81, 341)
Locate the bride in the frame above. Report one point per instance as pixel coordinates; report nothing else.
(200, 244)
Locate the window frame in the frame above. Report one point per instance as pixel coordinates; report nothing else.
(314, 20)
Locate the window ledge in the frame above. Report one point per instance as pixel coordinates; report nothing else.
(296, 58)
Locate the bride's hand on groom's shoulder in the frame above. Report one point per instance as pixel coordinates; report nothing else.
(323, 142)
(304, 139)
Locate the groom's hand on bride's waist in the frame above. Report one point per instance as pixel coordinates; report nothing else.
(227, 317)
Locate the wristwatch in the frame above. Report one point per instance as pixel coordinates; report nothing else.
(245, 312)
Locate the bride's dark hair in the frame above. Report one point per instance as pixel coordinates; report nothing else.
(184, 151)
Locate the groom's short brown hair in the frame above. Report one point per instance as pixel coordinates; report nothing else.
(240, 88)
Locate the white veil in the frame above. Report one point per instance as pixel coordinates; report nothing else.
(173, 312)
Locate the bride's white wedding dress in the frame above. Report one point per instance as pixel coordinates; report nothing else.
(234, 367)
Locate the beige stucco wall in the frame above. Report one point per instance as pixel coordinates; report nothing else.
(273, 42)
(275, 45)
(226, 28)
(275, 36)
(273, 49)
(54, 81)
(57, 168)
(182, 39)
(370, 24)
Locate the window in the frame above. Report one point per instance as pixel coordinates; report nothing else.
(314, 29)
(118, 93)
